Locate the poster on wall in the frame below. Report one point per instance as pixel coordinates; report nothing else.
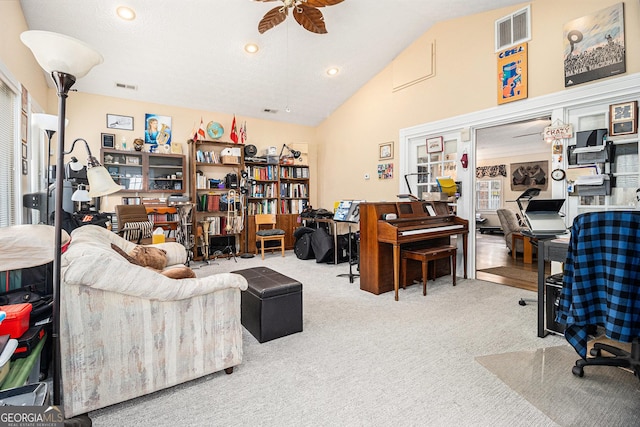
(157, 130)
(385, 171)
(512, 74)
(529, 175)
(594, 46)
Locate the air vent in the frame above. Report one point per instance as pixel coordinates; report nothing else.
(126, 86)
(513, 29)
(270, 110)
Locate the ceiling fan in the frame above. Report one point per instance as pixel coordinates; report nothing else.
(305, 13)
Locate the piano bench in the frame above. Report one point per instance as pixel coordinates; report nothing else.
(271, 307)
(425, 255)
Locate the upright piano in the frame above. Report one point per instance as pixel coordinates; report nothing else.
(387, 227)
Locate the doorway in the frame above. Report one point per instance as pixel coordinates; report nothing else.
(499, 149)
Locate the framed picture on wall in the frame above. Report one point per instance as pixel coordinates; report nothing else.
(623, 118)
(115, 121)
(435, 145)
(386, 150)
(108, 140)
(24, 122)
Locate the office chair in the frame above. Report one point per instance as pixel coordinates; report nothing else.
(268, 234)
(602, 287)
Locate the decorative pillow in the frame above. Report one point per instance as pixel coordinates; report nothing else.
(149, 256)
(179, 273)
(131, 230)
(270, 232)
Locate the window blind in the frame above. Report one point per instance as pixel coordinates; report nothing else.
(8, 171)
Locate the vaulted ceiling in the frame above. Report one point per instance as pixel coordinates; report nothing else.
(189, 53)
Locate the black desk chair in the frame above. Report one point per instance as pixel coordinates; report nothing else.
(602, 287)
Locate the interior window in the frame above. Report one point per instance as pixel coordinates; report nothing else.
(8, 100)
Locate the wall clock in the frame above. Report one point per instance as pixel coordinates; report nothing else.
(623, 118)
(557, 174)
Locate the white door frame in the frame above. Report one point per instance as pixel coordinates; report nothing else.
(555, 105)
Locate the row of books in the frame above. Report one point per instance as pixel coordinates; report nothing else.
(205, 183)
(217, 225)
(263, 190)
(214, 203)
(292, 206)
(262, 207)
(293, 190)
(263, 173)
(207, 157)
(162, 217)
(294, 172)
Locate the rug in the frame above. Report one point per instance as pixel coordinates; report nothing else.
(605, 396)
(513, 273)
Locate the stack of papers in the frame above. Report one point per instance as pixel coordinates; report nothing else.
(591, 179)
(589, 149)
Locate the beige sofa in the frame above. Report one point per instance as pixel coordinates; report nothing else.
(127, 331)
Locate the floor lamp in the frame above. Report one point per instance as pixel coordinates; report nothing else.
(65, 59)
(49, 124)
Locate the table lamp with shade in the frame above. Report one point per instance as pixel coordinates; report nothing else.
(65, 59)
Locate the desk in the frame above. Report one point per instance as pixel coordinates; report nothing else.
(548, 250)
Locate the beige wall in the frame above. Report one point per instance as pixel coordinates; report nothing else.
(345, 145)
(465, 81)
(87, 119)
(16, 56)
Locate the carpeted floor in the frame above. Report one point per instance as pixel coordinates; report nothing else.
(367, 360)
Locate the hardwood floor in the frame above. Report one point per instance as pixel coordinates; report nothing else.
(492, 251)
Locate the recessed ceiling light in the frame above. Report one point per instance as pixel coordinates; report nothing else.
(126, 13)
(251, 48)
(333, 71)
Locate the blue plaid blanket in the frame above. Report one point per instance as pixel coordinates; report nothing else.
(602, 278)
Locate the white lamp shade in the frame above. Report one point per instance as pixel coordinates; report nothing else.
(80, 195)
(100, 182)
(57, 52)
(47, 121)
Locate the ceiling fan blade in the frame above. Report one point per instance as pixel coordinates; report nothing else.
(322, 3)
(272, 18)
(310, 18)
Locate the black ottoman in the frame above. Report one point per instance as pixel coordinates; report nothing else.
(271, 305)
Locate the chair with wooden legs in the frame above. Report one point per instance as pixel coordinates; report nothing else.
(266, 231)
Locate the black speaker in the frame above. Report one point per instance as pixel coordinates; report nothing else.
(250, 150)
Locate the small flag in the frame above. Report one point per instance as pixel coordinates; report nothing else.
(234, 131)
(243, 132)
(201, 133)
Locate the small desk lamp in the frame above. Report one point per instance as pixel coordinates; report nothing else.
(65, 59)
(295, 153)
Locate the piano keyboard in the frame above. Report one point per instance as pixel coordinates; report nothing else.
(429, 230)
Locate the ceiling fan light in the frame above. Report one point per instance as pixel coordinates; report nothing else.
(333, 71)
(251, 48)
